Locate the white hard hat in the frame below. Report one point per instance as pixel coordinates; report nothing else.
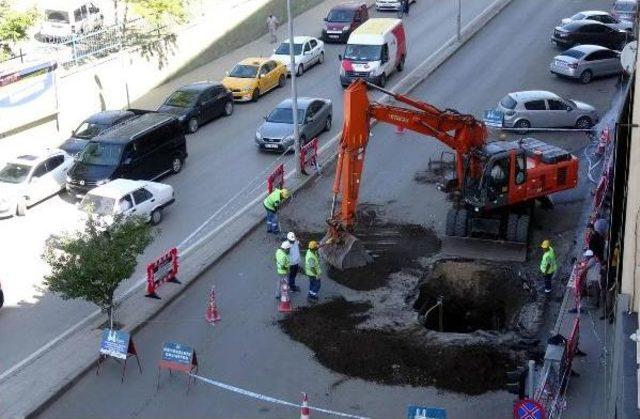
(588, 253)
(285, 245)
(291, 236)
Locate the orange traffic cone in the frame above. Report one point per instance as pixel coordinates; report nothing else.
(305, 413)
(212, 314)
(285, 303)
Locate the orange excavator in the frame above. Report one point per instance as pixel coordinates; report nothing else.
(495, 186)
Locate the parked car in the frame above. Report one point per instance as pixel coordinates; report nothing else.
(146, 147)
(92, 126)
(1, 296)
(197, 103)
(343, 19)
(542, 109)
(276, 132)
(254, 77)
(31, 178)
(63, 20)
(385, 5)
(625, 10)
(584, 62)
(602, 17)
(587, 32)
(307, 51)
(128, 198)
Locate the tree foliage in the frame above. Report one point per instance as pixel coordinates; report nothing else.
(160, 12)
(14, 24)
(92, 262)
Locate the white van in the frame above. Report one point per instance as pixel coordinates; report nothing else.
(63, 19)
(374, 51)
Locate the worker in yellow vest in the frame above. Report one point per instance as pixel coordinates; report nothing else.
(282, 265)
(312, 270)
(271, 204)
(548, 264)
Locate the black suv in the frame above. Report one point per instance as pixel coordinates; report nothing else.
(197, 103)
(146, 147)
(589, 32)
(92, 126)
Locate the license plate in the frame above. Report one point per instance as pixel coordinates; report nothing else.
(333, 36)
(271, 146)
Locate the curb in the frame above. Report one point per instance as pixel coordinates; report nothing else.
(239, 225)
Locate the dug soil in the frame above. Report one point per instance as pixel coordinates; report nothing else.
(395, 358)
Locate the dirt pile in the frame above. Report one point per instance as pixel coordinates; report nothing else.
(474, 296)
(395, 358)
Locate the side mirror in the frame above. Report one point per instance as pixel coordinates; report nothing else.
(339, 57)
(261, 76)
(127, 161)
(569, 108)
(35, 180)
(226, 73)
(325, 19)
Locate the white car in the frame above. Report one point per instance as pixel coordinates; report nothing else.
(382, 5)
(128, 197)
(602, 17)
(307, 51)
(31, 178)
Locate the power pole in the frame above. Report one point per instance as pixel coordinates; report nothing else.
(294, 91)
(459, 18)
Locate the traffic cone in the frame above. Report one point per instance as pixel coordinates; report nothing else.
(212, 314)
(285, 303)
(305, 413)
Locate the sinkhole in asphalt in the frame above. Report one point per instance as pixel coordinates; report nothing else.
(473, 295)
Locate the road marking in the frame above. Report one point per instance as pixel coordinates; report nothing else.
(271, 399)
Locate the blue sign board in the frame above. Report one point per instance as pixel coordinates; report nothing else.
(115, 343)
(528, 409)
(493, 118)
(420, 412)
(177, 354)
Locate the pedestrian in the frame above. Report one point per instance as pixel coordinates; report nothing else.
(282, 265)
(405, 7)
(548, 264)
(271, 204)
(272, 26)
(593, 277)
(596, 242)
(312, 270)
(294, 261)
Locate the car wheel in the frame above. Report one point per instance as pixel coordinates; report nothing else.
(156, 216)
(228, 108)
(282, 80)
(321, 59)
(327, 123)
(176, 165)
(584, 122)
(383, 80)
(255, 95)
(300, 70)
(400, 66)
(586, 76)
(192, 125)
(21, 207)
(522, 125)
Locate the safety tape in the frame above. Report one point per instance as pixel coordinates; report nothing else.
(271, 399)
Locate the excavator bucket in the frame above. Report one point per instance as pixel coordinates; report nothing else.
(475, 248)
(344, 251)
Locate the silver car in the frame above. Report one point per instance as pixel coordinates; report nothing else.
(276, 132)
(542, 109)
(602, 17)
(585, 62)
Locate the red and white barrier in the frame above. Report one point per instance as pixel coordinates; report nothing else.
(276, 179)
(164, 269)
(309, 155)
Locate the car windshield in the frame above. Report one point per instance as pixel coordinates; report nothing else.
(624, 7)
(577, 16)
(89, 130)
(101, 154)
(182, 99)
(508, 102)
(338, 15)
(56, 16)
(243, 71)
(96, 204)
(573, 53)
(284, 116)
(363, 52)
(283, 49)
(14, 173)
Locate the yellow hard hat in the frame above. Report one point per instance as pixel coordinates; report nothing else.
(545, 244)
(313, 244)
(285, 193)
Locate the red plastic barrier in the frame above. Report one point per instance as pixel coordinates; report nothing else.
(308, 155)
(276, 179)
(164, 269)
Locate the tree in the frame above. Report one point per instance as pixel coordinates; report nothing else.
(14, 25)
(92, 262)
(159, 12)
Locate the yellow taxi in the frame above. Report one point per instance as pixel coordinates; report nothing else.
(253, 77)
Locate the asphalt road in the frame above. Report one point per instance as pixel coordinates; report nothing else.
(248, 350)
(223, 160)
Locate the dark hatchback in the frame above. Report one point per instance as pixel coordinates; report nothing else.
(92, 126)
(342, 20)
(146, 147)
(198, 103)
(593, 33)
